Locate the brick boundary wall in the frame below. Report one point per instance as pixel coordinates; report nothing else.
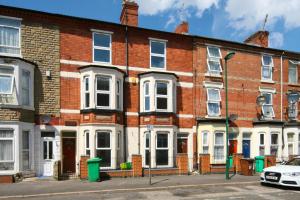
(83, 169)
(204, 163)
(137, 167)
(6, 179)
(270, 160)
(182, 163)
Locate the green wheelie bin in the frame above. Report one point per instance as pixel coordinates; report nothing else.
(94, 169)
(230, 161)
(259, 163)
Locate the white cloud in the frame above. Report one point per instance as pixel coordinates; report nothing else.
(249, 15)
(170, 21)
(276, 40)
(153, 7)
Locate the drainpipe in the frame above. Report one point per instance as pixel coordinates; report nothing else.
(124, 90)
(281, 99)
(281, 86)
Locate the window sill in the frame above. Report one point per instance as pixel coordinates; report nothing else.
(158, 68)
(108, 64)
(11, 55)
(17, 106)
(294, 84)
(213, 117)
(207, 74)
(267, 81)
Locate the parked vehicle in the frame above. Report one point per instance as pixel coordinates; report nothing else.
(286, 174)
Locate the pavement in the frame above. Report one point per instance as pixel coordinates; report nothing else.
(50, 189)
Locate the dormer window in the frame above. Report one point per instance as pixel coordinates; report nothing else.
(267, 68)
(158, 54)
(10, 36)
(213, 60)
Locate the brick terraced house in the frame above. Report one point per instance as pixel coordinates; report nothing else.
(71, 87)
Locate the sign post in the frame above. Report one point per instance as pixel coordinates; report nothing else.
(149, 129)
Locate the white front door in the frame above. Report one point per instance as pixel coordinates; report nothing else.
(47, 145)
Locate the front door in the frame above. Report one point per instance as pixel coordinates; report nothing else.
(246, 148)
(69, 147)
(232, 147)
(47, 146)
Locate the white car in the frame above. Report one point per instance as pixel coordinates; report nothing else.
(287, 174)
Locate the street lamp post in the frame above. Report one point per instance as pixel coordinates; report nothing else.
(227, 57)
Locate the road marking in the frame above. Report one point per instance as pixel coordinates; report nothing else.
(124, 190)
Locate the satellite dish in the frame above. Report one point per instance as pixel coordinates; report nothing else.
(260, 100)
(293, 97)
(233, 117)
(45, 119)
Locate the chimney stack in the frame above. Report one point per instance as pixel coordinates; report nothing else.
(182, 28)
(260, 38)
(129, 14)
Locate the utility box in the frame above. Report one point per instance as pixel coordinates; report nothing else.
(247, 167)
(94, 169)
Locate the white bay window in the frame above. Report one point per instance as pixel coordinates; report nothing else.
(6, 149)
(274, 144)
(261, 144)
(158, 92)
(205, 144)
(16, 84)
(103, 147)
(101, 88)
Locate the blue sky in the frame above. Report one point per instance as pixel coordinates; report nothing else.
(225, 19)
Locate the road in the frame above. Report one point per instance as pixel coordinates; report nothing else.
(208, 192)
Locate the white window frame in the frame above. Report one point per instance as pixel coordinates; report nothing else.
(158, 55)
(118, 94)
(270, 104)
(219, 145)
(213, 101)
(13, 147)
(109, 92)
(12, 76)
(162, 95)
(105, 148)
(102, 48)
(19, 30)
(274, 145)
(294, 67)
(48, 140)
(291, 143)
(86, 91)
(86, 144)
(146, 148)
(214, 59)
(145, 84)
(205, 145)
(270, 66)
(23, 88)
(162, 148)
(262, 145)
(26, 150)
(298, 143)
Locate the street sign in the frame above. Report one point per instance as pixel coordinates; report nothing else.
(149, 127)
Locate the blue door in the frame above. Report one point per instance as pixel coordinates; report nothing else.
(246, 148)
